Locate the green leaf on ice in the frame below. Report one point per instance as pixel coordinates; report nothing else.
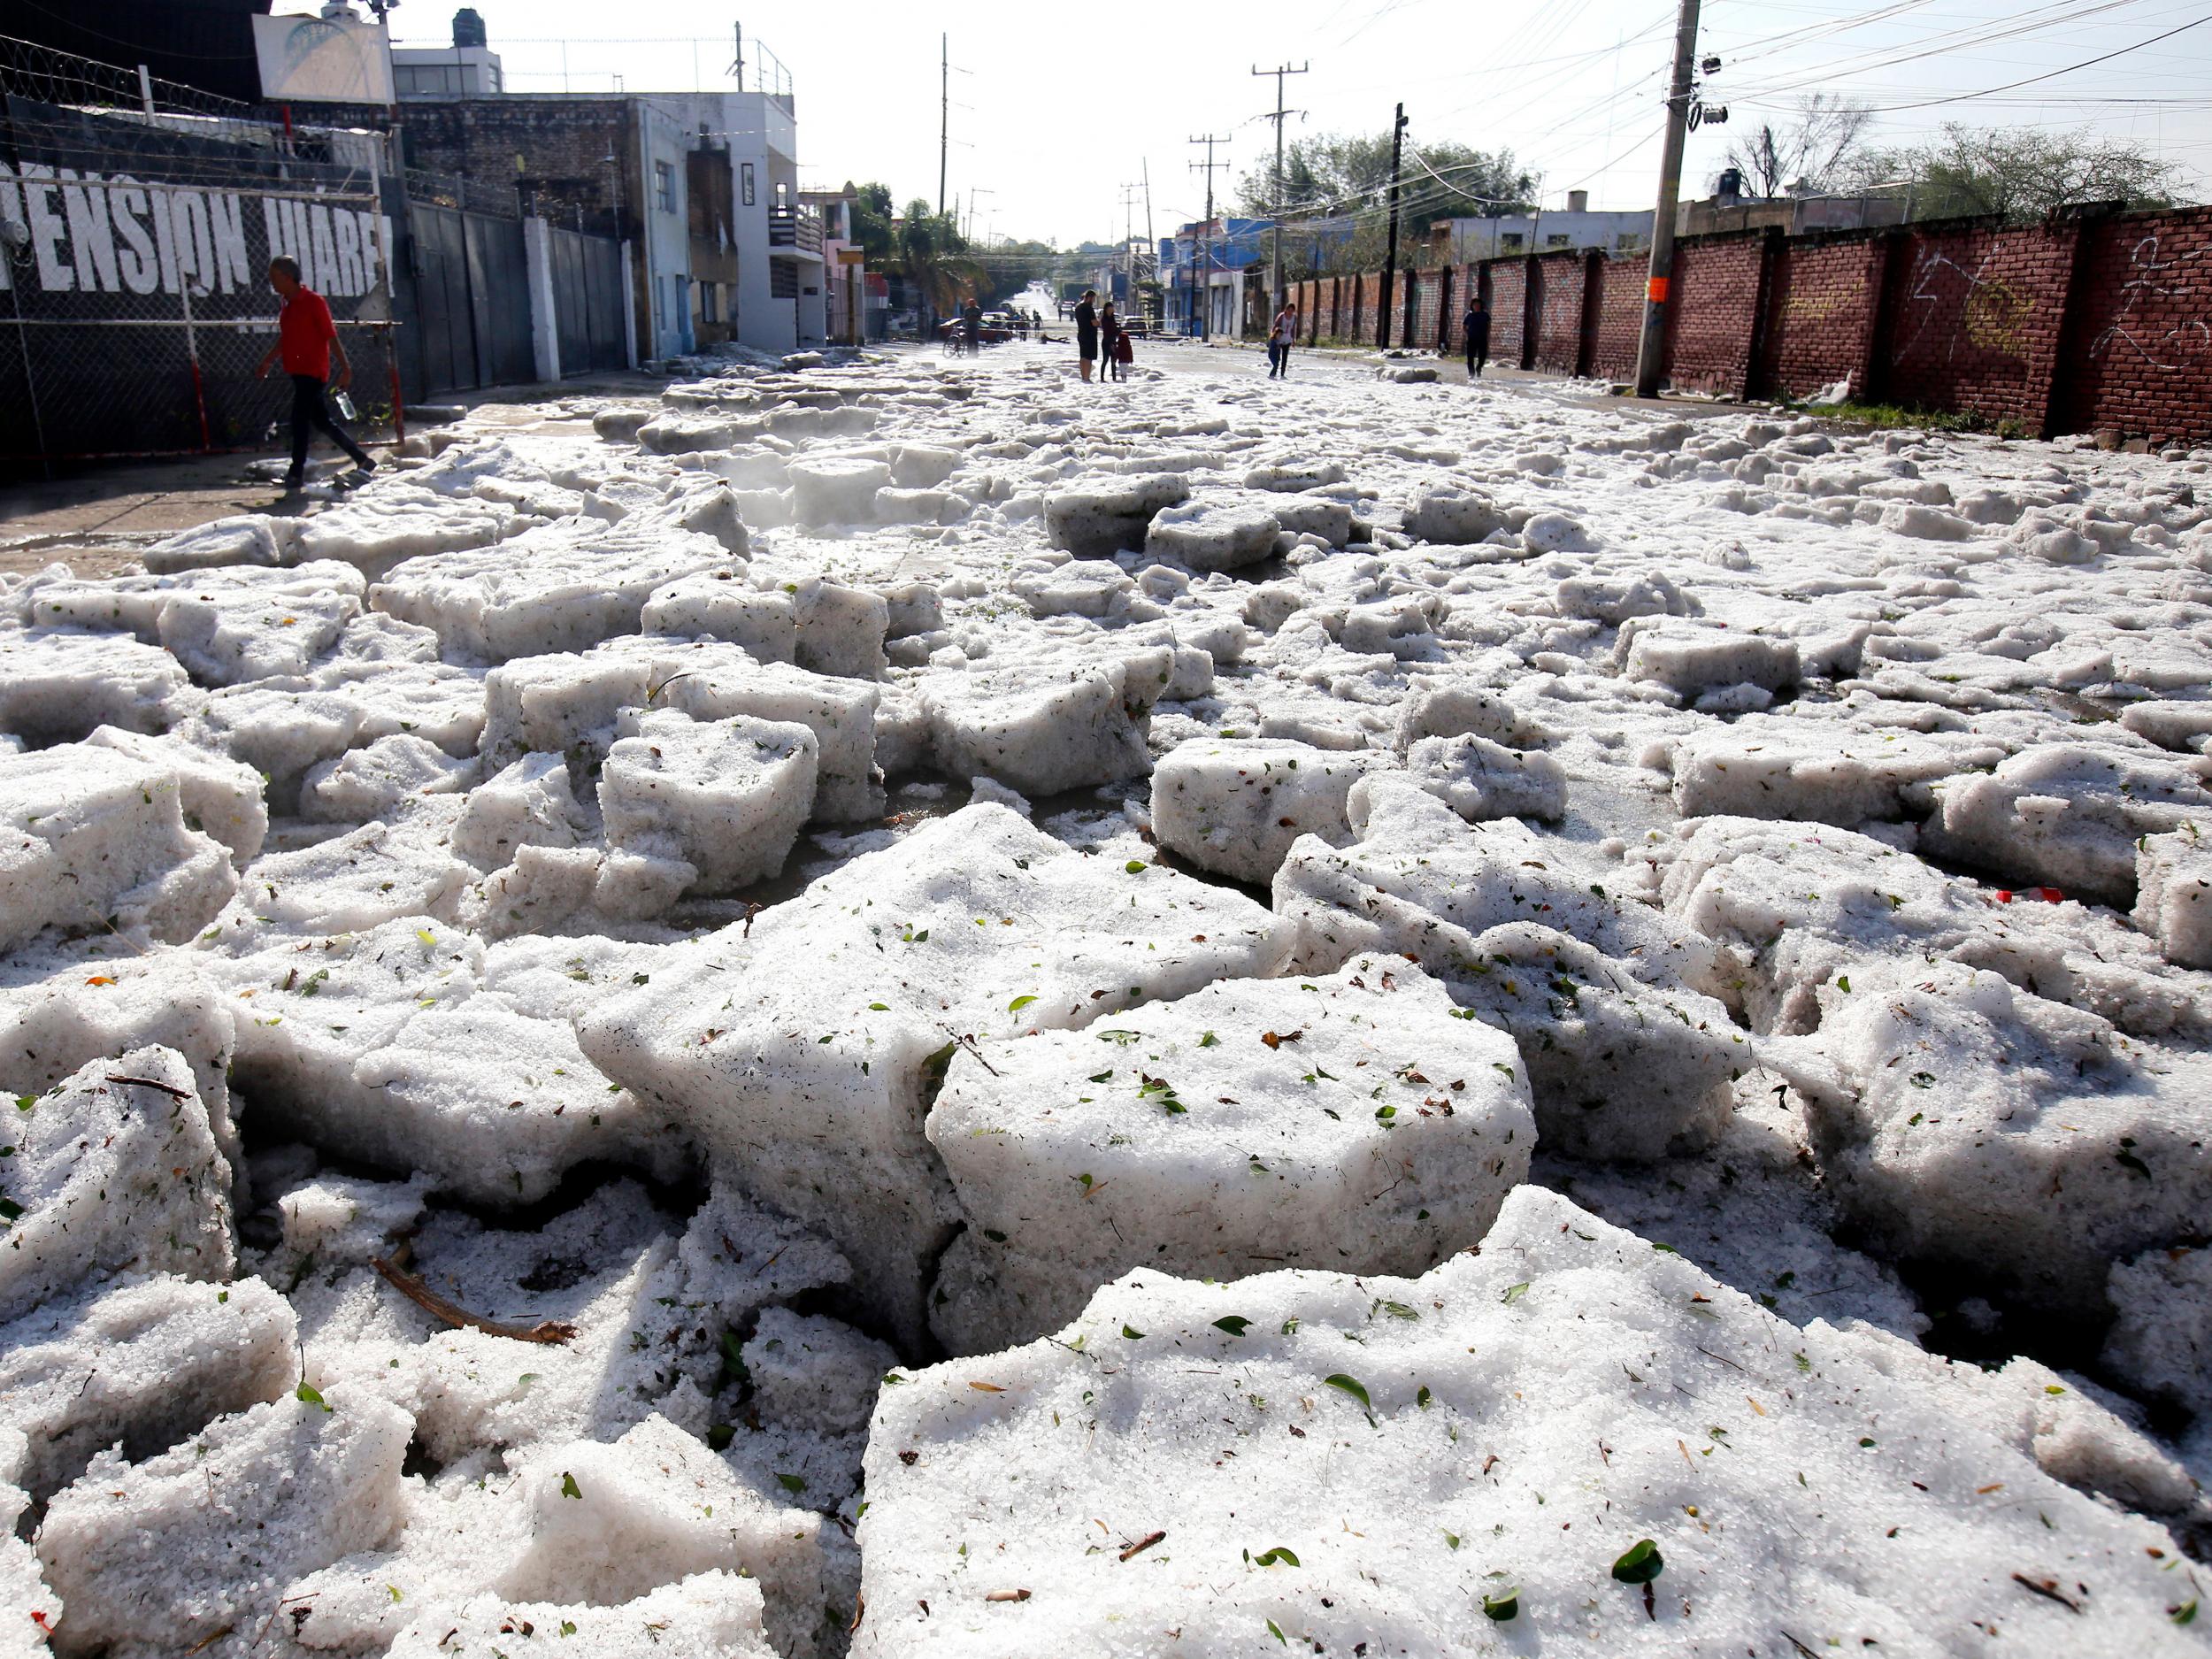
(1353, 1387)
(1277, 1557)
(1503, 1606)
(1235, 1324)
(791, 1483)
(2187, 1613)
(569, 1488)
(1019, 1003)
(1641, 1564)
(308, 1397)
(1514, 1292)
(1136, 866)
(1397, 1310)
(1276, 1631)
(1132, 1333)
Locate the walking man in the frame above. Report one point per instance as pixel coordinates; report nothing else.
(1087, 331)
(306, 340)
(1477, 330)
(1279, 340)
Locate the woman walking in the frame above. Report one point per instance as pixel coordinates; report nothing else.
(1280, 338)
(1109, 335)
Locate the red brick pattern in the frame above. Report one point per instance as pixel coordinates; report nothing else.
(1714, 317)
(1820, 314)
(2079, 323)
(1558, 344)
(1509, 302)
(2139, 345)
(1973, 317)
(1620, 318)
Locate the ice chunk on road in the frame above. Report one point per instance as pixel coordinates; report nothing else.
(144, 1363)
(612, 1523)
(1479, 780)
(716, 606)
(379, 781)
(2160, 1339)
(1690, 657)
(402, 865)
(563, 588)
(1234, 805)
(840, 629)
(1453, 517)
(726, 796)
(836, 490)
(2016, 1138)
(1800, 904)
(149, 1564)
(705, 1615)
(380, 1047)
(2173, 885)
(56, 688)
(2069, 816)
(1225, 1134)
(114, 1169)
(528, 805)
(1215, 533)
(1049, 723)
(1444, 709)
(1358, 1509)
(220, 797)
(814, 1374)
(975, 927)
(1782, 768)
(60, 1011)
(253, 538)
(1097, 518)
(93, 839)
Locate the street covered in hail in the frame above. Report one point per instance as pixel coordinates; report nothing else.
(908, 1007)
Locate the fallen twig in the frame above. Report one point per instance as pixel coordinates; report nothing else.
(2047, 1591)
(170, 1090)
(548, 1331)
(1144, 1543)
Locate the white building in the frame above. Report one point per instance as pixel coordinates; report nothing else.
(1460, 241)
(468, 68)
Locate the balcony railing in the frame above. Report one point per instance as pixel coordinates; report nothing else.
(796, 228)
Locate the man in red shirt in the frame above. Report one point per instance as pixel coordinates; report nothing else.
(306, 340)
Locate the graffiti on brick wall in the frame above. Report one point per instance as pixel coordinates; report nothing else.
(1993, 315)
(2170, 290)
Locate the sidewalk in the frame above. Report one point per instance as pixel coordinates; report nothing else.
(98, 519)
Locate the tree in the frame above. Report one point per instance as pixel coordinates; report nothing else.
(2024, 173)
(1336, 173)
(1819, 149)
(871, 217)
(932, 255)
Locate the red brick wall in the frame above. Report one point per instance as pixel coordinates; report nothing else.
(2075, 324)
(1714, 317)
(2140, 358)
(1369, 303)
(1820, 315)
(1972, 319)
(1509, 299)
(1558, 344)
(1620, 318)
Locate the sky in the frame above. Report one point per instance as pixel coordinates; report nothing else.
(1057, 122)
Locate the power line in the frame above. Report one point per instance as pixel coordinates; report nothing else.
(1275, 197)
(2087, 63)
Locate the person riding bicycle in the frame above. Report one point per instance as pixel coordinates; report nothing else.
(972, 323)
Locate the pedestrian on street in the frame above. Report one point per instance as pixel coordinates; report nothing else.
(1279, 340)
(307, 340)
(1125, 354)
(1477, 323)
(971, 321)
(1087, 331)
(1108, 338)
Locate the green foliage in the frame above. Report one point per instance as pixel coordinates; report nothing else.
(2023, 172)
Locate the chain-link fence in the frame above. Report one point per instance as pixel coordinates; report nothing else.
(137, 221)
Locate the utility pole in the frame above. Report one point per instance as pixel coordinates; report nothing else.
(1151, 247)
(1275, 199)
(944, 114)
(1651, 349)
(1205, 317)
(1390, 260)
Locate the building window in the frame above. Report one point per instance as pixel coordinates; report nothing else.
(1557, 242)
(746, 181)
(1512, 240)
(664, 187)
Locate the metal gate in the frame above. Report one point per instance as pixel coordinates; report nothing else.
(588, 301)
(472, 316)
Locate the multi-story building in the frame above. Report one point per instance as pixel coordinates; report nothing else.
(1457, 241)
(1202, 275)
